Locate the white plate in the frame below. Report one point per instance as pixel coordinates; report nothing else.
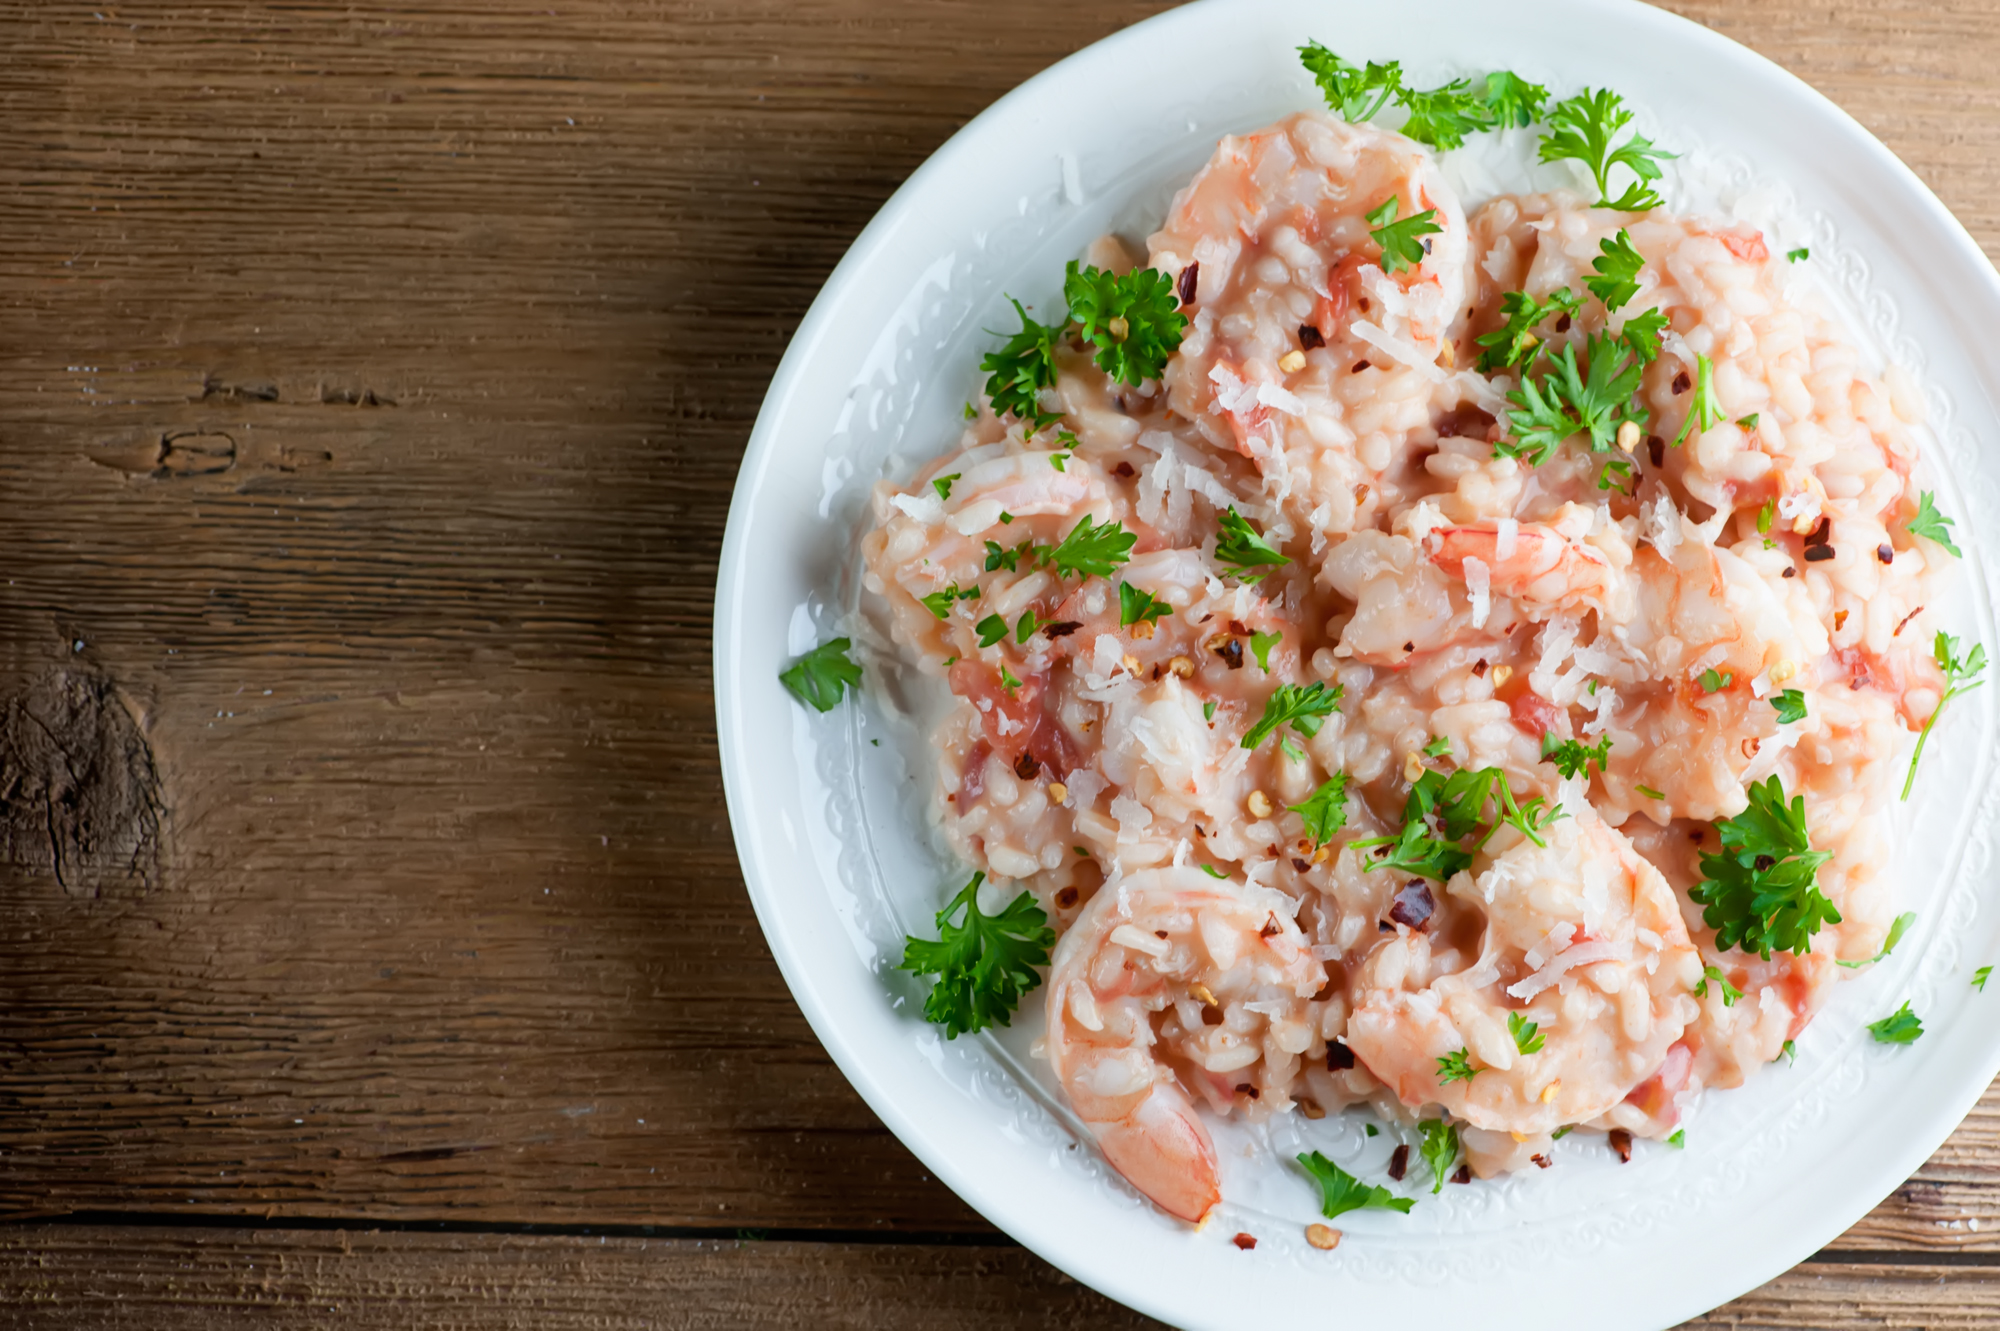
(840, 864)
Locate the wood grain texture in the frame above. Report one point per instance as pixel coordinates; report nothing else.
(373, 379)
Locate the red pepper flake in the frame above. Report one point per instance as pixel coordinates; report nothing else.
(1310, 337)
(1243, 1241)
(1789, 572)
(1026, 767)
(1562, 324)
(1541, 1161)
(1414, 905)
(1063, 629)
(1339, 1058)
(1886, 553)
(1906, 620)
(1066, 898)
(1399, 1163)
(1124, 471)
(1359, 366)
(1621, 1142)
(1464, 1174)
(1300, 865)
(1479, 668)
(1822, 533)
(1656, 448)
(1190, 276)
(1682, 383)
(1819, 554)
(1271, 927)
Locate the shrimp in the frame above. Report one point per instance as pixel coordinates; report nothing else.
(1531, 563)
(1583, 938)
(1137, 981)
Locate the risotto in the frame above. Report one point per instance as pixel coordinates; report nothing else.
(1450, 663)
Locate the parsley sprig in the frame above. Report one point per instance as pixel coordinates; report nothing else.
(1572, 756)
(1325, 810)
(1244, 549)
(1900, 1027)
(1790, 705)
(1931, 524)
(1135, 605)
(1705, 410)
(1092, 549)
(1133, 321)
(984, 965)
(1457, 1066)
(1442, 811)
(1960, 676)
(1528, 1037)
(1516, 341)
(1593, 399)
(1585, 128)
(1440, 117)
(819, 678)
(1897, 928)
(1440, 1150)
(1341, 1192)
(1356, 92)
(1305, 709)
(1615, 271)
(1761, 892)
(1403, 244)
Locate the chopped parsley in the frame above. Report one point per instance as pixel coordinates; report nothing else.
(1355, 92)
(1089, 549)
(1402, 242)
(984, 965)
(1931, 524)
(1304, 708)
(1135, 605)
(1650, 793)
(1208, 711)
(1457, 1066)
(1900, 1027)
(1291, 750)
(1260, 647)
(1897, 928)
(1515, 341)
(1416, 851)
(971, 412)
(1527, 1035)
(1023, 366)
(1791, 705)
(1439, 747)
(1761, 892)
(1573, 756)
(819, 678)
(1341, 1192)
(1325, 810)
(1730, 993)
(1134, 321)
(1056, 460)
(1442, 117)
(1243, 548)
(1750, 422)
(1513, 102)
(1026, 628)
(1705, 411)
(1594, 399)
(991, 629)
(942, 485)
(1714, 683)
(1793, 256)
(1679, 1139)
(1642, 333)
(1458, 804)
(1980, 976)
(1789, 1052)
(1439, 1151)
(1007, 680)
(1213, 872)
(939, 602)
(1766, 516)
(1960, 676)
(1584, 129)
(1617, 271)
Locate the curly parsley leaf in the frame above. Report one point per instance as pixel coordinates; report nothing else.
(1761, 892)
(1897, 928)
(1960, 676)
(1457, 1066)
(1642, 332)
(1325, 810)
(1528, 1037)
(985, 965)
(1900, 1027)
(1730, 993)
(1260, 647)
(1025, 629)
(818, 679)
(1616, 270)
(1442, 117)
(1512, 101)
(1791, 706)
(991, 629)
(942, 485)
(1711, 682)
(1134, 321)
(1515, 341)
(1705, 410)
(1572, 756)
(1402, 242)
(1355, 92)
(1416, 851)
(1305, 708)
(1439, 747)
(1089, 549)
(1341, 1192)
(1439, 1151)
(1243, 548)
(1571, 399)
(1023, 366)
(1931, 524)
(1135, 605)
(939, 602)
(1584, 129)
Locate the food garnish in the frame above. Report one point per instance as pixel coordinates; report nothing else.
(1617, 271)
(1244, 549)
(1931, 524)
(1023, 366)
(1135, 605)
(1134, 321)
(1440, 1150)
(1527, 1035)
(1325, 810)
(1960, 676)
(1762, 892)
(1568, 400)
(1900, 1027)
(1585, 127)
(1897, 928)
(1260, 647)
(1730, 993)
(1516, 341)
(1356, 92)
(939, 602)
(820, 677)
(985, 965)
(1573, 756)
(1341, 1192)
(1402, 242)
(1791, 706)
(1704, 412)
(1457, 1066)
(1304, 708)
(1092, 549)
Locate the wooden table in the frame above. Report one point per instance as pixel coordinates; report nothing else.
(373, 378)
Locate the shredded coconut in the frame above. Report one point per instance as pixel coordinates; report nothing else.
(1476, 585)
